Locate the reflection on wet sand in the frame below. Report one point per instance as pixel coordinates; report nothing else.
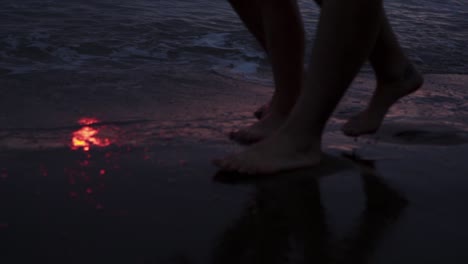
(286, 221)
(87, 136)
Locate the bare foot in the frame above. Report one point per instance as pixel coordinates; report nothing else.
(385, 95)
(260, 130)
(275, 154)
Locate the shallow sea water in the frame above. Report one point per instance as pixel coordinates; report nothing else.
(111, 35)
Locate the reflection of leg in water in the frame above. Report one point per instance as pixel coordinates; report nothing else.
(278, 27)
(309, 231)
(379, 195)
(286, 221)
(287, 224)
(237, 242)
(259, 236)
(383, 207)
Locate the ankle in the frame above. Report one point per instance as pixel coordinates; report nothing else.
(282, 104)
(302, 142)
(279, 111)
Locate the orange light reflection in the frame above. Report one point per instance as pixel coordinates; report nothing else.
(87, 136)
(86, 121)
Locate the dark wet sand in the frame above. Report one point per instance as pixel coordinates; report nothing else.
(397, 197)
(169, 205)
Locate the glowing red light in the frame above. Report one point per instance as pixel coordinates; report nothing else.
(86, 121)
(88, 136)
(89, 190)
(102, 172)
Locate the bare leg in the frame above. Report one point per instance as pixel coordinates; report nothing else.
(250, 13)
(346, 34)
(396, 77)
(284, 41)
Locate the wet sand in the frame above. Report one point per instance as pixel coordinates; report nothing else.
(152, 196)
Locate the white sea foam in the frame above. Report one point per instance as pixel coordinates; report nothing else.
(212, 40)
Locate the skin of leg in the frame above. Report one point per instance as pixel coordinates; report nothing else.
(284, 34)
(284, 40)
(395, 74)
(387, 51)
(387, 57)
(396, 77)
(346, 34)
(250, 14)
(278, 27)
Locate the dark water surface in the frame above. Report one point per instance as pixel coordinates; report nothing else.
(120, 34)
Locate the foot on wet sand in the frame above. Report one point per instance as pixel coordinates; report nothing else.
(275, 154)
(385, 95)
(260, 130)
(262, 111)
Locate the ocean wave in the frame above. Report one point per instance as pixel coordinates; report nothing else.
(41, 35)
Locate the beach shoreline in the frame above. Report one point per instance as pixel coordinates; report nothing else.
(151, 195)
